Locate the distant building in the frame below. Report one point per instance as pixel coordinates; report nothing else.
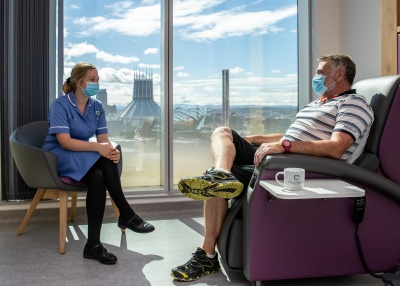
(142, 108)
(102, 96)
(142, 116)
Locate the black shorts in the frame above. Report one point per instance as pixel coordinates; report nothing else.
(243, 164)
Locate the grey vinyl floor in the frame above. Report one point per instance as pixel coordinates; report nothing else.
(143, 259)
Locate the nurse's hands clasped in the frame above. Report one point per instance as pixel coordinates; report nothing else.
(110, 152)
(114, 156)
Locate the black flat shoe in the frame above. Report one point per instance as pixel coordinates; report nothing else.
(135, 224)
(99, 253)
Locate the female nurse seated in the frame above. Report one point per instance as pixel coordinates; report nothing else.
(73, 119)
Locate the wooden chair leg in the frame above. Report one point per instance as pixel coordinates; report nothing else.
(63, 219)
(116, 211)
(36, 199)
(74, 202)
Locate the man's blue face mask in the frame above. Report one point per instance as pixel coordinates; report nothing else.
(92, 88)
(318, 83)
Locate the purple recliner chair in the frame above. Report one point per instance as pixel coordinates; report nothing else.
(272, 239)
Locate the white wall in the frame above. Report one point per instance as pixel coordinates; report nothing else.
(350, 27)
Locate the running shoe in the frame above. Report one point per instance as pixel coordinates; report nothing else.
(198, 266)
(213, 183)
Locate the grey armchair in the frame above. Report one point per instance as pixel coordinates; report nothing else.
(38, 168)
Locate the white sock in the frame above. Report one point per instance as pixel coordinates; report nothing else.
(210, 255)
(221, 169)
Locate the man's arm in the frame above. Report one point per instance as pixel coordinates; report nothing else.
(333, 148)
(259, 139)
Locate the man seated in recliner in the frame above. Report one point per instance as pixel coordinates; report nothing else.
(334, 126)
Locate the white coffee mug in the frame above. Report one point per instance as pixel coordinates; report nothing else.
(293, 178)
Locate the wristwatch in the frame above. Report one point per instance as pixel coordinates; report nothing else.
(286, 144)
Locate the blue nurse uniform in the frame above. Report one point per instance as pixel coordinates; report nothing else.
(65, 117)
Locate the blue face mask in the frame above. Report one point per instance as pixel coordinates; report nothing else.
(92, 88)
(318, 83)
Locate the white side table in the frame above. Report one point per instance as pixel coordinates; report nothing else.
(314, 189)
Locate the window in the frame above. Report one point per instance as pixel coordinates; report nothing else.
(122, 39)
(235, 63)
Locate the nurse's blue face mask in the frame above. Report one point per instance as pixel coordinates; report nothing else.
(92, 88)
(318, 83)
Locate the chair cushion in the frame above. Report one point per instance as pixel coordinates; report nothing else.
(389, 152)
(69, 181)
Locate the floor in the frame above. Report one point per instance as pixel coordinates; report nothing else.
(143, 259)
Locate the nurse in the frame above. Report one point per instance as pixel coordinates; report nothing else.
(73, 119)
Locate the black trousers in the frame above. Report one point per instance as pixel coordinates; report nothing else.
(243, 164)
(103, 176)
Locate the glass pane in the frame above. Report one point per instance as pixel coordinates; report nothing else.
(122, 39)
(254, 44)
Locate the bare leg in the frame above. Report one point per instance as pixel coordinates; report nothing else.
(214, 213)
(222, 148)
(215, 205)
(223, 152)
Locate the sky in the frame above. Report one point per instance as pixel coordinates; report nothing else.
(256, 40)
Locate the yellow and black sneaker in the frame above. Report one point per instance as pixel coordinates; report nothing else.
(213, 183)
(198, 266)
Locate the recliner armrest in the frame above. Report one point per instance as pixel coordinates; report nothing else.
(334, 168)
(367, 161)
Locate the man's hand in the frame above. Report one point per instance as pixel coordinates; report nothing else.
(267, 149)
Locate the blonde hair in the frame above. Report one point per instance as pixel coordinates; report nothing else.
(78, 72)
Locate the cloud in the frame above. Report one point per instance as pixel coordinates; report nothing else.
(179, 68)
(150, 51)
(116, 76)
(146, 19)
(149, 66)
(81, 49)
(210, 88)
(125, 75)
(230, 23)
(115, 58)
(88, 20)
(117, 93)
(69, 64)
(185, 8)
(276, 71)
(192, 20)
(236, 71)
(120, 6)
(182, 74)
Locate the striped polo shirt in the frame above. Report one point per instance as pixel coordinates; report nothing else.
(348, 112)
